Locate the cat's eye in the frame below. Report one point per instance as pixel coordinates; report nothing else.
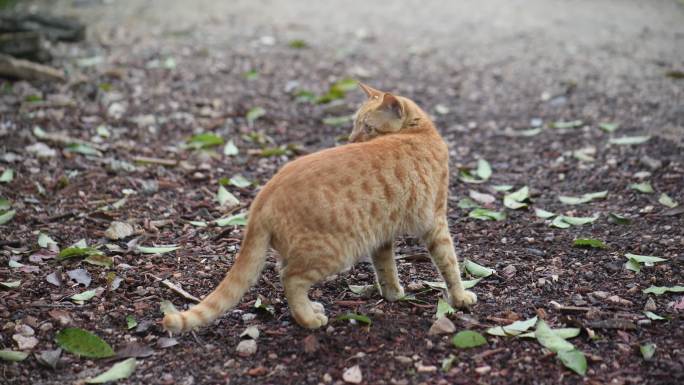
(368, 129)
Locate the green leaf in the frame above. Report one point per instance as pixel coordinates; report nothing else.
(298, 44)
(7, 216)
(259, 304)
(11, 284)
(304, 96)
(643, 187)
(487, 215)
(633, 265)
(513, 329)
(468, 283)
(338, 90)
(589, 242)
(569, 200)
(665, 200)
(103, 131)
(75, 251)
(44, 240)
(253, 114)
(437, 285)
(251, 75)
(564, 222)
(83, 343)
(99, 260)
(199, 223)
(574, 360)
(226, 198)
(230, 149)
(357, 317)
(484, 170)
(5, 204)
(443, 308)
(564, 333)
(524, 133)
(653, 316)
(12, 355)
(84, 296)
(568, 124)
(468, 339)
(234, 220)
(467, 203)
(609, 127)
(448, 362)
(541, 213)
(647, 351)
(157, 249)
(240, 181)
(362, 289)
(83, 149)
(515, 200)
(629, 140)
(549, 339)
(647, 259)
(7, 176)
(204, 140)
(131, 322)
(502, 187)
(118, 371)
(658, 290)
(274, 151)
(618, 219)
(337, 121)
(166, 307)
(477, 270)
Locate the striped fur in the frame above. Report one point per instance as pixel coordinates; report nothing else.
(323, 211)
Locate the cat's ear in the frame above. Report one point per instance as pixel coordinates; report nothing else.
(369, 91)
(392, 104)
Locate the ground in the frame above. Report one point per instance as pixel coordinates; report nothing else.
(155, 73)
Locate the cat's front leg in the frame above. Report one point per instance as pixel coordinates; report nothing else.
(386, 272)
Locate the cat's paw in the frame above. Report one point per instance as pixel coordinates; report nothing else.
(314, 322)
(393, 294)
(466, 299)
(318, 307)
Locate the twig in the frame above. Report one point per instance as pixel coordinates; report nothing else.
(180, 290)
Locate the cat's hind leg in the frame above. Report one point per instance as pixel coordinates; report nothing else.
(386, 272)
(439, 243)
(299, 274)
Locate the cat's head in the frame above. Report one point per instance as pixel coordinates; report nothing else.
(381, 114)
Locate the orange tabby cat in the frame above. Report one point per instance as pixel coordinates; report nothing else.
(323, 211)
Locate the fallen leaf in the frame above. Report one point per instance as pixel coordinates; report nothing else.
(629, 140)
(83, 343)
(10, 284)
(588, 197)
(355, 317)
(119, 230)
(49, 358)
(589, 242)
(665, 200)
(647, 351)
(84, 296)
(468, 339)
(488, 215)
(543, 213)
(230, 149)
(157, 249)
(225, 198)
(512, 329)
(477, 270)
(643, 187)
(12, 355)
(118, 371)
(234, 220)
(204, 140)
(609, 127)
(7, 175)
(80, 276)
(253, 114)
(515, 200)
(574, 360)
(444, 309)
(7, 216)
(658, 290)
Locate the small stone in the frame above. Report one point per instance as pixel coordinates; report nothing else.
(443, 325)
(415, 286)
(600, 294)
(650, 305)
(25, 343)
(327, 378)
(248, 317)
(352, 375)
(509, 271)
(258, 371)
(425, 368)
(251, 332)
(311, 343)
(541, 282)
(404, 360)
(619, 300)
(24, 330)
(41, 150)
(118, 230)
(246, 348)
(483, 369)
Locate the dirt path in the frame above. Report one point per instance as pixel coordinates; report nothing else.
(155, 73)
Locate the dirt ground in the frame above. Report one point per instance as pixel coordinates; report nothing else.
(154, 73)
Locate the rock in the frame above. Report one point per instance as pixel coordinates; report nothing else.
(81, 276)
(352, 375)
(25, 343)
(49, 358)
(443, 325)
(509, 271)
(483, 369)
(246, 348)
(327, 378)
(404, 360)
(425, 368)
(41, 150)
(650, 305)
(251, 332)
(118, 230)
(248, 317)
(311, 343)
(619, 300)
(116, 110)
(481, 197)
(651, 163)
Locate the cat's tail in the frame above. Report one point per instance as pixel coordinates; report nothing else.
(245, 272)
